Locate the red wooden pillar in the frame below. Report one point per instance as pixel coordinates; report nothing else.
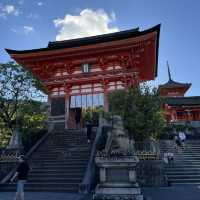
(106, 103)
(49, 106)
(67, 105)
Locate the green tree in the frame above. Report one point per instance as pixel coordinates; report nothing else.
(20, 94)
(141, 110)
(16, 86)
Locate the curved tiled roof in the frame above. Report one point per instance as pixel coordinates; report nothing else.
(92, 40)
(194, 100)
(173, 84)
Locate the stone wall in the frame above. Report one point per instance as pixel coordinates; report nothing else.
(151, 173)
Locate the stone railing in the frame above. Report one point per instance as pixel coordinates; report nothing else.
(147, 150)
(8, 164)
(8, 160)
(90, 177)
(150, 169)
(9, 155)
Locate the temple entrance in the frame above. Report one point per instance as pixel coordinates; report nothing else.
(75, 118)
(79, 104)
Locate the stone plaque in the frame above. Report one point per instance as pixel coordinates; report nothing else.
(117, 175)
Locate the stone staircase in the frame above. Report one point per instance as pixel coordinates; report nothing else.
(186, 168)
(58, 164)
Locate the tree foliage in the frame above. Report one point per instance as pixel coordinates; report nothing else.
(16, 87)
(20, 98)
(141, 110)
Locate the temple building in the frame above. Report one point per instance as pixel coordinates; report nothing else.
(80, 73)
(180, 109)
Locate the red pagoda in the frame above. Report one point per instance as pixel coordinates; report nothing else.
(80, 73)
(179, 109)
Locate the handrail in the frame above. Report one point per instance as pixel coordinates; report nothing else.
(89, 177)
(28, 154)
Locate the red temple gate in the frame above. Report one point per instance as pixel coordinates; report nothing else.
(80, 73)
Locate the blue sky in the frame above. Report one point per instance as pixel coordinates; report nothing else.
(29, 24)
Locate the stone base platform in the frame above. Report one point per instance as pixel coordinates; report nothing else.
(103, 192)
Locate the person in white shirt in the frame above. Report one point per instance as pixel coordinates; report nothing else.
(182, 138)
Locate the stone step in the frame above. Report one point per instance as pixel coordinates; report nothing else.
(186, 184)
(67, 187)
(55, 180)
(185, 165)
(56, 175)
(58, 151)
(187, 173)
(67, 168)
(58, 164)
(53, 170)
(66, 160)
(186, 180)
(183, 176)
(62, 156)
(182, 169)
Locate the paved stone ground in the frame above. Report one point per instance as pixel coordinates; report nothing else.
(172, 193)
(151, 193)
(42, 196)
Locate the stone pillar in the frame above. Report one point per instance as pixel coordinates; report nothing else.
(102, 174)
(16, 139)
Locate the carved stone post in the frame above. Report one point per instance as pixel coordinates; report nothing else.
(16, 139)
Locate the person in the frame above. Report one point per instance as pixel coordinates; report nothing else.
(22, 175)
(182, 137)
(170, 158)
(177, 142)
(165, 158)
(89, 131)
(77, 119)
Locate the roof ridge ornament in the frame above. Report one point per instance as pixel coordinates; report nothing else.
(169, 72)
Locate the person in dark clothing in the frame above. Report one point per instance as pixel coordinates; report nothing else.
(22, 175)
(77, 119)
(89, 131)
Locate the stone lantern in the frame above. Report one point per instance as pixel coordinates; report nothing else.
(117, 164)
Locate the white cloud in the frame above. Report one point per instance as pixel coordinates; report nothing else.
(28, 29)
(40, 3)
(88, 23)
(22, 30)
(8, 10)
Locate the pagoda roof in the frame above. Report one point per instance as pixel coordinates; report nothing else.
(92, 40)
(174, 84)
(178, 101)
